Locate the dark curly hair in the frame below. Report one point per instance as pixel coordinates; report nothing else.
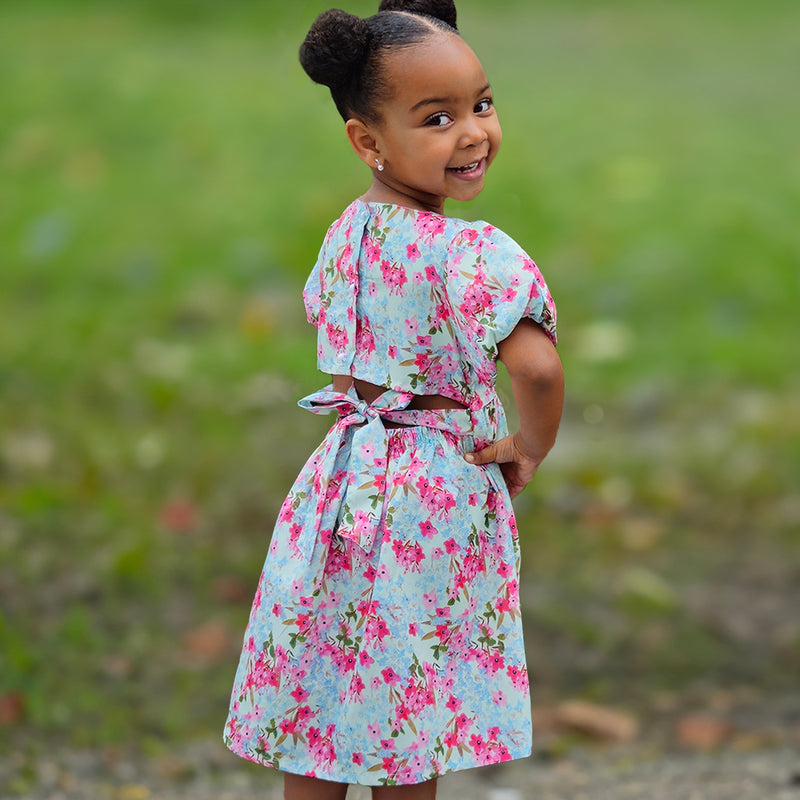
(345, 53)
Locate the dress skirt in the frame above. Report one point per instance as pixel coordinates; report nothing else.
(386, 648)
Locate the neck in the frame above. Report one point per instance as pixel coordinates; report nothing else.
(381, 192)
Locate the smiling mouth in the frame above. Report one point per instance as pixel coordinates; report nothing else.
(467, 168)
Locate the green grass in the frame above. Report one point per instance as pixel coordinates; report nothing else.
(166, 175)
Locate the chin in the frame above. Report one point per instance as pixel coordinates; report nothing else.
(465, 197)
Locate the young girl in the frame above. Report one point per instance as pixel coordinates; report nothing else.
(385, 645)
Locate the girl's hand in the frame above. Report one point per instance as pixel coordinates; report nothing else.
(518, 467)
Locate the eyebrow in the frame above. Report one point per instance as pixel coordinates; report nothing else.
(438, 101)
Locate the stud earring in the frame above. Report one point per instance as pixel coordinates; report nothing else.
(380, 166)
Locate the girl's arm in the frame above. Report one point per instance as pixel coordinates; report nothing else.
(537, 383)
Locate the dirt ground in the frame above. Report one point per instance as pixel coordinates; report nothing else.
(206, 771)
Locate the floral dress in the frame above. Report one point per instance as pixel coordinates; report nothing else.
(384, 644)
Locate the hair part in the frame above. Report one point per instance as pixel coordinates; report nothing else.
(347, 53)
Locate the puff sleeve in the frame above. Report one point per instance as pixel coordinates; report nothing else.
(332, 288)
(494, 284)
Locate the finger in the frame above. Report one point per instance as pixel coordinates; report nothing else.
(515, 482)
(514, 488)
(485, 456)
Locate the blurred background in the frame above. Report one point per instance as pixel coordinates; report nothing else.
(167, 173)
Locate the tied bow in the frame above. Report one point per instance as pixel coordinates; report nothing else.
(356, 446)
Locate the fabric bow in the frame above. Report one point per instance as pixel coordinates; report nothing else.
(356, 447)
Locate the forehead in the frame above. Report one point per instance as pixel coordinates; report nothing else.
(442, 65)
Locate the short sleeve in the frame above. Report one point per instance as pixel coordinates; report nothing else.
(497, 284)
(332, 288)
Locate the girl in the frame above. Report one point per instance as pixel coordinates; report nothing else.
(385, 645)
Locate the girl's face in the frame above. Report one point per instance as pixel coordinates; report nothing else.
(439, 129)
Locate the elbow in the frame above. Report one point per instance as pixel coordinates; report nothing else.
(542, 385)
(547, 376)
(531, 359)
(541, 370)
(551, 371)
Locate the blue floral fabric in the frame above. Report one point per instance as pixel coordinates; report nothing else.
(384, 644)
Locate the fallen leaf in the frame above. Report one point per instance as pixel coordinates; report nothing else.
(208, 643)
(178, 516)
(133, 792)
(12, 708)
(597, 721)
(545, 720)
(703, 731)
(118, 666)
(231, 590)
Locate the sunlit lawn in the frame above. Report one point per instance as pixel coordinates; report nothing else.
(166, 175)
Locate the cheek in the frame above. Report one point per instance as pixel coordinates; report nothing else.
(495, 140)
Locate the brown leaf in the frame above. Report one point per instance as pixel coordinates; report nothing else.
(118, 666)
(178, 516)
(12, 708)
(208, 643)
(703, 731)
(231, 590)
(545, 720)
(597, 721)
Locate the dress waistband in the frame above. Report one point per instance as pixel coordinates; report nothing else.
(361, 506)
(390, 406)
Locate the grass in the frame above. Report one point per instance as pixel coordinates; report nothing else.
(166, 174)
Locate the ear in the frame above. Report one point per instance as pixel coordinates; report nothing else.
(363, 141)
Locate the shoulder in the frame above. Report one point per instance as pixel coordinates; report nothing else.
(482, 243)
(344, 222)
(496, 282)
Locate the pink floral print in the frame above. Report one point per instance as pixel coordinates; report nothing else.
(384, 644)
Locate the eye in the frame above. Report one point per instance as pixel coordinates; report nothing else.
(484, 105)
(438, 120)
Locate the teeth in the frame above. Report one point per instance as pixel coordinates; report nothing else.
(468, 168)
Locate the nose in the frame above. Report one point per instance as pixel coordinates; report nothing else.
(473, 132)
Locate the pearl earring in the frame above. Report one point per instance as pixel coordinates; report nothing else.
(380, 166)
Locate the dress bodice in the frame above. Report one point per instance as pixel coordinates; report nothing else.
(418, 302)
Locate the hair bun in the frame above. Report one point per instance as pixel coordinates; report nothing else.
(335, 46)
(445, 10)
